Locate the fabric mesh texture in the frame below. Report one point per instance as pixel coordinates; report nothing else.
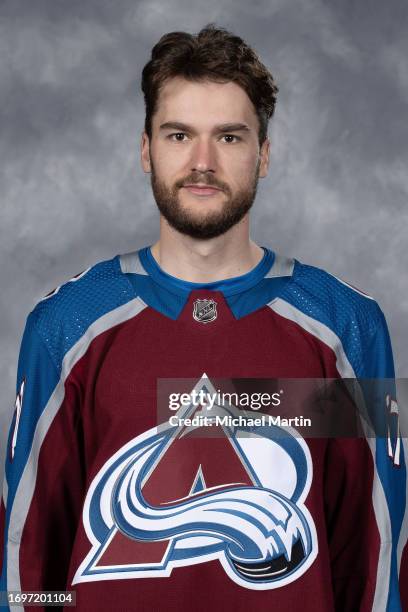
(63, 318)
(351, 316)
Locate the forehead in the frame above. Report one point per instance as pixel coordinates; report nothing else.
(204, 103)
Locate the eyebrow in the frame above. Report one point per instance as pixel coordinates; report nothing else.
(218, 129)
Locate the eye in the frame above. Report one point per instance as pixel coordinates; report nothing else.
(177, 136)
(231, 136)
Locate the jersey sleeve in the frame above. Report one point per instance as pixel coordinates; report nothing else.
(43, 472)
(366, 492)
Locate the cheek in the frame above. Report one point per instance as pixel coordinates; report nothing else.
(240, 168)
(170, 165)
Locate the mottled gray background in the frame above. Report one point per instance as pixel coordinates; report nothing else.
(71, 114)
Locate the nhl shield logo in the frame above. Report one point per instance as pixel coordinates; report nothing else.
(205, 310)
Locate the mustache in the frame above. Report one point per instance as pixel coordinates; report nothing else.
(204, 179)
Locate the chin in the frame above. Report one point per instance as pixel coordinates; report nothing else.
(201, 204)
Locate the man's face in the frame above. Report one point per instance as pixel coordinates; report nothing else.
(204, 156)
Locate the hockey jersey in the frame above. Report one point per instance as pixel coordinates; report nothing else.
(100, 500)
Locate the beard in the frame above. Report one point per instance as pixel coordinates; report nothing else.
(208, 225)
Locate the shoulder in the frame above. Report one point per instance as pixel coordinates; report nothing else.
(327, 296)
(336, 310)
(63, 315)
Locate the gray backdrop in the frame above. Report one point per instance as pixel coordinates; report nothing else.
(71, 115)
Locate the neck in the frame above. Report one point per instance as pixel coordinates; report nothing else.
(205, 261)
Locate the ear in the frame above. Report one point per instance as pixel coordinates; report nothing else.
(264, 158)
(145, 153)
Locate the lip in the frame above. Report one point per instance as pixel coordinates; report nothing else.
(202, 190)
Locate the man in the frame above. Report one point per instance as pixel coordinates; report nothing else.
(101, 500)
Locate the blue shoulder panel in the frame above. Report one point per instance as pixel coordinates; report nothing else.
(63, 316)
(352, 316)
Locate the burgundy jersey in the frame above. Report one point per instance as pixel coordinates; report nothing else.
(100, 499)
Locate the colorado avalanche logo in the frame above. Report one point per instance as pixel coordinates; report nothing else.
(167, 500)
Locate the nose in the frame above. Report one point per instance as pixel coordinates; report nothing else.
(203, 156)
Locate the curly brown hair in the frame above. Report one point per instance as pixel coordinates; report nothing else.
(213, 54)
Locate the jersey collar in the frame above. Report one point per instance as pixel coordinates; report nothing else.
(146, 263)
